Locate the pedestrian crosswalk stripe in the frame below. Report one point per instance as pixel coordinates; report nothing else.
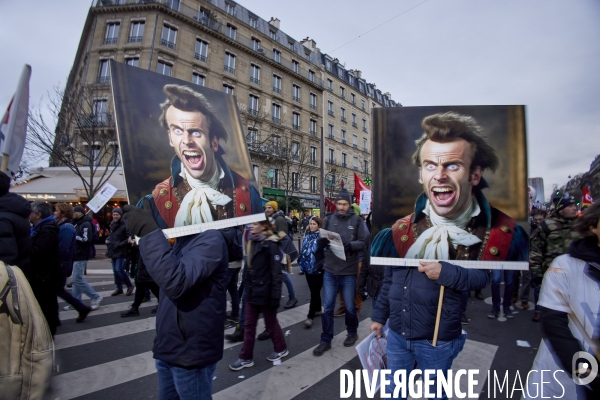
(103, 376)
(305, 368)
(104, 309)
(99, 272)
(104, 294)
(475, 355)
(100, 283)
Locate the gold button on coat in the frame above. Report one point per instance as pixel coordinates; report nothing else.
(244, 188)
(505, 229)
(404, 238)
(168, 205)
(402, 226)
(163, 192)
(494, 251)
(242, 207)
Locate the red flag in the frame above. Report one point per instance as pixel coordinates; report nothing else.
(358, 186)
(329, 205)
(586, 197)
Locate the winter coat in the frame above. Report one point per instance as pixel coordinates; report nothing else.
(192, 276)
(116, 243)
(84, 238)
(15, 237)
(351, 229)
(280, 222)
(263, 277)
(44, 257)
(307, 261)
(66, 246)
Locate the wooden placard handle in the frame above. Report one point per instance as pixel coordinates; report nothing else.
(438, 317)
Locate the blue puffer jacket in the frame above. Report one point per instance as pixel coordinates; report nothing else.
(409, 298)
(192, 277)
(307, 261)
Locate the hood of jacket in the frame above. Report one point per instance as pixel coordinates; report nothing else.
(15, 204)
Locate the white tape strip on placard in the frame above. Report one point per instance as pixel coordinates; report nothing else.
(471, 264)
(220, 224)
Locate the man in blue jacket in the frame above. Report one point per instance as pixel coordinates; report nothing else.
(452, 221)
(192, 276)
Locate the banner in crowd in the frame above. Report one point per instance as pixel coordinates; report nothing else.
(450, 165)
(182, 148)
(586, 197)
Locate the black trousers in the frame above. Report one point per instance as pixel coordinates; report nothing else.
(140, 291)
(315, 284)
(66, 296)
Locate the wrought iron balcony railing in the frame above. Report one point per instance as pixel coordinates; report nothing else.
(200, 57)
(168, 44)
(229, 69)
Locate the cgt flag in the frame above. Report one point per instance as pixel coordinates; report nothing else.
(586, 197)
(13, 126)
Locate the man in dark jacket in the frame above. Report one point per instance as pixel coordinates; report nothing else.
(83, 241)
(192, 276)
(44, 261)
(341, 274)
(63, 213)
(15, 238)
(116, 250)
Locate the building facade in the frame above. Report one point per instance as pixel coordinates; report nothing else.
(287, 90)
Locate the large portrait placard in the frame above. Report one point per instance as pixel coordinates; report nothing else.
(183, 148)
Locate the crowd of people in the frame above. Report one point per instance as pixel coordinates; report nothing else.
(193, 275)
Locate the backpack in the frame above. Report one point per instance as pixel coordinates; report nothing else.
(26, 370)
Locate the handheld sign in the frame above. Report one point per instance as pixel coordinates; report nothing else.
(102, 197)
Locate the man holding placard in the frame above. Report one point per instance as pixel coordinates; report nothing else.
(452, 221)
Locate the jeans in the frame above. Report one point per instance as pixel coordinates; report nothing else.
(315, 283)
(508, 288)
(403, 354)
(118, 265)
(536, 294)
(272, 325)
(526, 285)
(331, 284)
(66, 296)
(232, 288)
(79, 284)
(289, 284)
(176, 383)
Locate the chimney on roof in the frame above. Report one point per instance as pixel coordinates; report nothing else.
(309, 43)
(275, 22)
(388, 95)
(335, 60)
(357, 73)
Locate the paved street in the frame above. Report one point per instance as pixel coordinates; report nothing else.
(109, 357)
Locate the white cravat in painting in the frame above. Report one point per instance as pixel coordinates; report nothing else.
(195, 206)
(433, 243)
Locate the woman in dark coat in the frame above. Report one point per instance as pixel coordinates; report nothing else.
(312, 268)
(262, 291)
(143, 282)
(116, 250)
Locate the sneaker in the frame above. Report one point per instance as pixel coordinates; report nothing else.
(508, 313)
(237, 335)
(265, 335)
(318, 313)
(291, 302)
(117, 292)
(83, 314)
(525, 305)
(321, 348)
(308, 323)
(340, 312)
(68, 308)
(95, 303)
(132, 312)
(274, 356)
(493, 314)
(239, 364)
(69, 285)
(537, 317)
(350, 339)
(464, 320)
(130, 290)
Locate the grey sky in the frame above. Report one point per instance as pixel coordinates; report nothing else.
(541, 53)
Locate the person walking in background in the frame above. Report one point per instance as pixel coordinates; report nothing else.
(312, 268)
(83, 240)
(63, 214)
(262, 286)
(44, 261)
(116, 250)
(143, 283)
(15, 237)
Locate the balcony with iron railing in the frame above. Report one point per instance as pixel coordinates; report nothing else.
(353, 102)
(111, 40)
(195, 15)
(344, 165)
(354, 125)
(135, 39)
(227, 68)
(166, 43)
(200, 57)
(331, 161)
(331, 137)
(313, 133)
(255, 80)
(344, 141)
(252, 112)
(330, 113)
(296, 99)
(276, 120)
(313, 161)
(355, 146)
(313, 106)
(343, 119)
(95, 120)
(295, 127)
(364, 129)
(103, 79)
(365, 149)
(343, 97)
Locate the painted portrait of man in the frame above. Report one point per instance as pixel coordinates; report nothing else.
(182, 149)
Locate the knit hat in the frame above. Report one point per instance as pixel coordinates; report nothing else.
(117, 210)
(343, 195)
(79, 209)
(4, 183)
(272, 204)
(565, 202)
